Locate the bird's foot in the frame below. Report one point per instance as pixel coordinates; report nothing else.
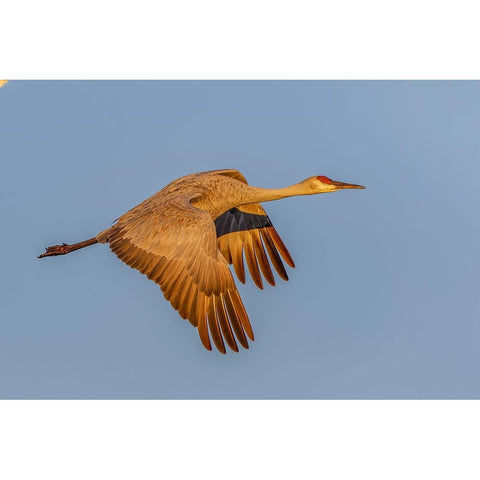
(56, 250)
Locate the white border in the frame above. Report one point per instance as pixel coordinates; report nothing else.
(191, 39)
(239, 439)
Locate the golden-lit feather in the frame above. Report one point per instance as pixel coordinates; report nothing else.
(175, 246)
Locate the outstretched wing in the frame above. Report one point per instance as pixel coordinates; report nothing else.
(175, 245)
(241, 232)
(248, 231)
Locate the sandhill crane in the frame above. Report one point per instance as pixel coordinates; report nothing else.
(185, 236)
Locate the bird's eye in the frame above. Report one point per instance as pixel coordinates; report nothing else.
(324, 179)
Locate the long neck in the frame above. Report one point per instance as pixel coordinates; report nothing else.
(258, 195)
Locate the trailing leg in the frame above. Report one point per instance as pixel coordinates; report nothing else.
(64, 248)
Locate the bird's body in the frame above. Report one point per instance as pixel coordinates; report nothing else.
(184, 237)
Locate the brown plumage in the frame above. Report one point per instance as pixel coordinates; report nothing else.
(185, 236)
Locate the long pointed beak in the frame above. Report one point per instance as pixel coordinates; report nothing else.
(342, 185)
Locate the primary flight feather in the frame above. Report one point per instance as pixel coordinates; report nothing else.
(185, 236)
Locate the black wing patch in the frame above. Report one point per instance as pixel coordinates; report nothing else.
(236, 221)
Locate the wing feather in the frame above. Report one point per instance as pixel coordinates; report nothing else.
(214, 326)
(247, 231)
(175, 245)
(224, 323)
(241, 313)
(235, 321)
(274, 256)
(262, 257)
(235, 244)
(252, 260)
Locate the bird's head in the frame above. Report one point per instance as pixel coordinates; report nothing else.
(322, 184)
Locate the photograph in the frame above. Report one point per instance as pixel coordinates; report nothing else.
(209, 239)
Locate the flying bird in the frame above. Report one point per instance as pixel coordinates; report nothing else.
(185, 236)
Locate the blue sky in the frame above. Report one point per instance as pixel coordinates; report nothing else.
(384, 302)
